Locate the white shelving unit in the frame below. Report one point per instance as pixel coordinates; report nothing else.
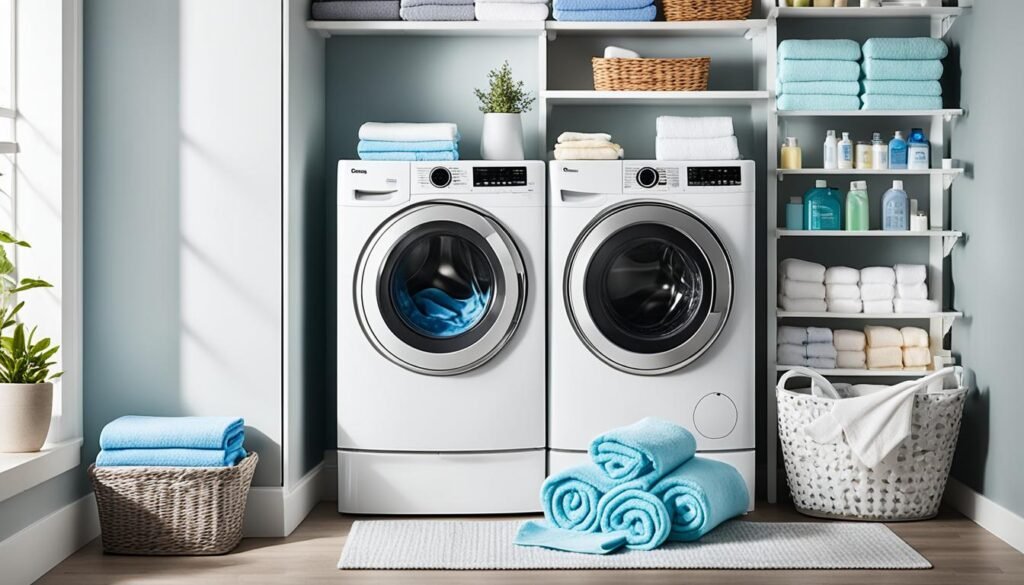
(653, 98)
(708, 28)
(330, 28)
(843, 373)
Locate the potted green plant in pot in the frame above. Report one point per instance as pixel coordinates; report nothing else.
(26, 381)
(503, 105)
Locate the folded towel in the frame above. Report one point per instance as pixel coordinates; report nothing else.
(821, 350)
(583, 137)
(819, 70)
(901, 102)
(827, 49)
(694, 126)
(647, 447)
(917, 356)
(791, 335)
(365, 146)
(169, 457)
(788, 354)
(700, 495)
(357, 10)
(796, 289)
(571, 498)
(818, 102)
(412, 3)
(848, 306)
(878, 307)
(696, 148)
(543, 534)
(174, 432)
(508, 12)
(912, 291)
(910, 273)
(640, 515)
(915, 337)
(601, 4)
(880, 69)
(915, 306)
(878, 274)
(917, 49)
(902, 87)
(801, 305)
(884, 357)
(511, 1)
(633, 15)
(796, 269)
(408, 131)
(873, 291)
(851, 360)
(612, 52)
(819, 335)
(611, 152)
(818, 88)
(849, 340)
(437, 12)
(399, 155)
(881, 336)
(821, 363)
(837, 292)
(842, 275)
(587, 144)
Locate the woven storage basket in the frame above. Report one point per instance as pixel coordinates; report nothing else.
(706, 9)
(690, 74)
(172, 510)
(827, 481)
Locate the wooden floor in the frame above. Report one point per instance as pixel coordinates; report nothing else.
(962, 552)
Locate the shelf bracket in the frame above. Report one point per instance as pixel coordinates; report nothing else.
(948, 242)
(552, 34)
(947, 180)
(947, 324)
(944, 25)
(947, 117)
(781, 176)
(752, 34)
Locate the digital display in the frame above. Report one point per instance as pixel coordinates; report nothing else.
(713, 176)
(499, 176)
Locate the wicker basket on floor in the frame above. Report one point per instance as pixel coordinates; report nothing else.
(172, 510)
(707, 9)
(689, 74)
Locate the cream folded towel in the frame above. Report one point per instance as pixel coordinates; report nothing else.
(917, 356)
(877, 292)
(842, 275)
(849, 340)
(845, 306)
(796, 289)
(821, 350)
(878, 307)
(693, 127)
(819, 335)
(915, 292)
(802, 305)
(884, 357)
(795, 269)
(878, 274)
(880, 336)
(851, 360)
(582, 136)
(788, 354)
(910, 273)
(610, 152)
(915, 337)
(586, 144)
(915, 306)
(791, 335)
(835, 292)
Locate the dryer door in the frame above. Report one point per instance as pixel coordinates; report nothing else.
(648, 287)
(440, 288)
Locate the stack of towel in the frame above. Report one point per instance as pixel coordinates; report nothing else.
(806, 346)
(884, 348)
(917, 354)
(502, 10)
(605, 10)
(356, 10)
(912, 290)
(153, 441)
(699, 138)
(877, 289)
(643, 486)
(842, 293)
(447, 10)
(903, 74)
(408, 141)
(586, 146)
(818, 75)
(850, 349)
(802, 286)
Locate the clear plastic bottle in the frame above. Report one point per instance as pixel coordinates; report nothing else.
(857, 207)
(831, 151)
(898, 152)
(918, 150)
(879, 153)
(845, 152)
(896, 208)
(792, 157)
(862, 155)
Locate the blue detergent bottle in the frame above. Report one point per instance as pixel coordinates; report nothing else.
(823, 208)
(896, 208)
(898, 152)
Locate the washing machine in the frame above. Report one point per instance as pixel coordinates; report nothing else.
(652, 303)
(441, 337)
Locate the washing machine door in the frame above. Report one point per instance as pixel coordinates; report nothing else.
(648, 287)
(440, 288)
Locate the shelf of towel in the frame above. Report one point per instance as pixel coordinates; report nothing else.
(702, 28)
(784, 233)
(947, 114)
(858, 12)
(866, 316)
(864, 373)
(329, 28)
(652, 98)
(859, 172)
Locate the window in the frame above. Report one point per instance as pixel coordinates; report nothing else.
(8, 144)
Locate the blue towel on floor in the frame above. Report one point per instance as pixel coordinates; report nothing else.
(649, 447)
(170, 432)
(641, 515)
(601, 4)
(540, 533)
(699, 495)
(901, 102)
(918, 49)
(405, 155)
(895, 87)
(571, 498)
(169, 457)
(826, 49)
(818, 88)
(881, 69)
(818, 70)
(818, 102)
(395, 146)
(633, 15)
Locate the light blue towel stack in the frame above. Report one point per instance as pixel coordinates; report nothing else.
(821, 74)
(605, 10)
(903, 73)
(642, 487)
(408, 141)
(186, 441)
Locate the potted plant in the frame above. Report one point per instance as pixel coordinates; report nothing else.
(503, 106)
(26, 383)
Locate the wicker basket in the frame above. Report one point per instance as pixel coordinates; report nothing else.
(172, 510)
(827, 481)
(651, 74)
(707, 9)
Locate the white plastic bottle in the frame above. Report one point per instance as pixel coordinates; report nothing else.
(845, 152)
(879, 153)
(831, 150)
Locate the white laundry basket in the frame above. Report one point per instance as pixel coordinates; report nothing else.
(827, 480)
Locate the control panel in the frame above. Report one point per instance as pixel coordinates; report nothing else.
(499, 176)
(473, 177)
(714, 176)
(645, 177)
(641, 177)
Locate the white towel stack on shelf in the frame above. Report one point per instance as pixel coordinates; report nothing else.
(917, 354)
(850, 349)
(842, 295)
(508, 10)
(884, 348)
(696, 138)
(877, 289)
(912, 290)
(802, 286)
(806, 346)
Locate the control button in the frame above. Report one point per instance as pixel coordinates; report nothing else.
(440, 177)
(647, 177)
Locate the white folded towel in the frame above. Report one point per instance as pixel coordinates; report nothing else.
(408, 131)
(910, 273)
(835, 292)
(915, 337)
(788, 354)
(849, 340)
(821, 350)
(878, 274)
(878, 307)
(583, 136)
(587, 144)
(791, 335)
(511, 1)
(884, 357)
(873, 291)
(881, 336)
(510, 11)
(915, 292)
(917, 357)
(915, 306)
(851, 360)
(694, 127)
(610, 152)
(612, 52)
(821, 363)
(819, 335)
(801, 305)
(796, 289)
(696, 148)
(848, 306)
(795, 269)
(842, 275)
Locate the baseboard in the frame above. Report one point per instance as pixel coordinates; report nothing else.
(28, 554)
(272, 512)
(994, 518)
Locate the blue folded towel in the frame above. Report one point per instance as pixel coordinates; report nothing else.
(646, 14)
(174, 432)
(405, 155)
(818, 102)
(542, 534)
(601, 4)
(818, 70)
(895, 87)
(571, 499)
(699, 495)
(647, 447)
(396, 146)
(827, 49)
(641, 515)
(169, 457)
(901, 102)
(918, 49)
(818, 87)
(882, 69)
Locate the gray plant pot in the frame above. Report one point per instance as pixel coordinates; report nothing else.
(25, 411)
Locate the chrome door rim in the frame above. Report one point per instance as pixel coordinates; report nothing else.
(510, 304)
(613, 220)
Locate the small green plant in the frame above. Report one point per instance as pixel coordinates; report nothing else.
(23, 360)
(506, 96)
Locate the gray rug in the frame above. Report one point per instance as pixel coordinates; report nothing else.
(487, 544)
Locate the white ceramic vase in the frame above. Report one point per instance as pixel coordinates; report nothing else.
(502, 137)
(25, 411)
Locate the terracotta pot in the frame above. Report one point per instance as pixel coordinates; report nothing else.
(25, 411)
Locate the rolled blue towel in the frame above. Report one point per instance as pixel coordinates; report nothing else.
(645, 14)
(827, 49)
(225, 433)
(882, 69)
(901, 102)
(542, 534)
(818, 88)
(601, 4)
(169, 457)
(818, 70)
(571, 498)
(405, 155)
(649, 447)
(897, 87)
(641, 515)
(699, 495)
(916, 49)
(818, 102)
(396, 146)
